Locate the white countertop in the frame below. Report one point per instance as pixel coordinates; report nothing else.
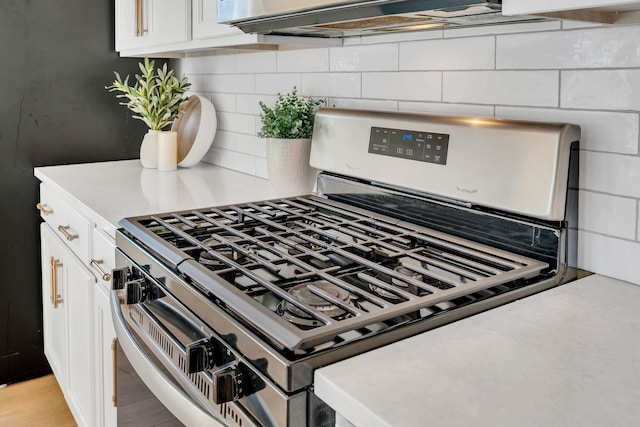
(115, 190)
(569, 356)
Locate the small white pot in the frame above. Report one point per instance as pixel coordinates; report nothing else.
(149, 150)
(288, 166)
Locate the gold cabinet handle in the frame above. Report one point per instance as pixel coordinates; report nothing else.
(43, 209)
(114, 367)
(55, 298)
(140, 30)
(96, 263)
(64, 229)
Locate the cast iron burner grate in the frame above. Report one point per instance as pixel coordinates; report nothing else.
(356, 268)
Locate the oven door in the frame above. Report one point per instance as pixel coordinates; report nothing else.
(147, 394)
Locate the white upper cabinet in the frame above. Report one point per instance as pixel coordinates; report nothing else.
(142, 24)
(603, 11)
(205, 24)
(173, 28)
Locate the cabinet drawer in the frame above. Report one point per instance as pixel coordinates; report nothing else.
(68, 223)
(103, 257)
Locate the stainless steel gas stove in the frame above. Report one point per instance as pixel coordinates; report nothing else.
(418, 221)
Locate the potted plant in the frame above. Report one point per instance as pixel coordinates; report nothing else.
(288, 127)
(155, 98)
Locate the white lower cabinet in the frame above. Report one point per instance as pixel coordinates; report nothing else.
(67, 299)
(77, 259)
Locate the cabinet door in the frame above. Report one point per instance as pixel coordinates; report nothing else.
(205, 21)
(68, 323)
(104, 351)
(79, 284)
(148, 23)
(54, 315)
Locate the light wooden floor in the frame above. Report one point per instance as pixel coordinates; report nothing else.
(37, 402)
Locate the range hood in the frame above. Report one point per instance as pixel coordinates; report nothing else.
(331, 18)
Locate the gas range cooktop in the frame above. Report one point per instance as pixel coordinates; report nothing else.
(308, 273)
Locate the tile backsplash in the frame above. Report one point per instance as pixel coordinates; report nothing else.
(549, 71)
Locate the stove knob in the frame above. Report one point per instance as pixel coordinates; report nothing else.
(200, 355)
(228, 384)
(119, 277)
(137, 291)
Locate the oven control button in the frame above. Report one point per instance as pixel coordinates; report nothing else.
(200, 355)
(137, 291)
(228, 384)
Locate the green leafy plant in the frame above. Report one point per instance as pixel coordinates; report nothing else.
(155, 97)
(291, 117)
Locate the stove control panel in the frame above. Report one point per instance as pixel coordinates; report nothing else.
(427, 147)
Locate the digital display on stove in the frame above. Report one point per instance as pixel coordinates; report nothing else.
(427, 147)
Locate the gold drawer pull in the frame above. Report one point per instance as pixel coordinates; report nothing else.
(55, 298)
(114, 367)
(96, 263)
(43, 209)
(64, 229)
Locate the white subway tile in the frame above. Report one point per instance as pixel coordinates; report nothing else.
(237, 161)
(344, 85)
(601, 89)
(610, 215)
(251, 144)
(351, 41)
(304, 60)
(225, 139)
(472, 53)
(590, 48)
(198, 83)
(364, 104)
(187, 66)
(447, 109)
(600, 130)
(272, 84)
(405, 85)
(256, 62)
(230, 83)
(220, 64)
(610, 173)
(250, 104)
(522, 27)
(224, 102)
(382, 57)
(234, 122)
(609, 256)
(402, 36)
(533, 88)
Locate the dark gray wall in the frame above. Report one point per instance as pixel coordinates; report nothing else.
(55, 59)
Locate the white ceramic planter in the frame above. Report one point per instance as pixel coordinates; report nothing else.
(288, 166)
(149, 150)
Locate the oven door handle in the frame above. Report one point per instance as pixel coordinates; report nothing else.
(171, 396)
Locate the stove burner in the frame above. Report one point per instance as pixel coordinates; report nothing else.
(303, 294)
(410, 274)
(226, 251)
(302, 242)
